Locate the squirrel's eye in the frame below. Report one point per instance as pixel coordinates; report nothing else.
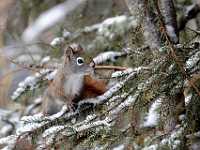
(79, 61)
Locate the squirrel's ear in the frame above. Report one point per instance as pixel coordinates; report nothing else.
(77, 48)
(68, 52)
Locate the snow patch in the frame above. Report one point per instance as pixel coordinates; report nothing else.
(188, 99)
(119, 147)
(153, 115)
(57, 41)
(171, 32)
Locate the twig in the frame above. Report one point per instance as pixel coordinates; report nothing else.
(99, 67)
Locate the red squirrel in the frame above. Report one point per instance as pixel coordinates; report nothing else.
(73, 82)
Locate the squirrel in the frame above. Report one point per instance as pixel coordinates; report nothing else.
(73, 82)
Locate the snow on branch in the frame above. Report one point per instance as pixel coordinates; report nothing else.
(8, 140)
(52, 130)
(31, 82)
(106, 31)
(127, 103)
(57, 41)
(127, 71)
(67, 131)
(193, 60)
(92, 125)
(113, 55)
(173, 140)
(111, 27)
(60, 40)
(151, 119)
(31, 125)
(109, 55)
(34, 118)
(40, 117)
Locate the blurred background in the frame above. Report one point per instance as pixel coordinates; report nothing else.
(32, 31)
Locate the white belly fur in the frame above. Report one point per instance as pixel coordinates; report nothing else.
(73, 84)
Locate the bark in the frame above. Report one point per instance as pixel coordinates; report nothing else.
(141, 10)
(169, 16)
(191, 12)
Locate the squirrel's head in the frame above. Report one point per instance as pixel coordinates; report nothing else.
(74, 61)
